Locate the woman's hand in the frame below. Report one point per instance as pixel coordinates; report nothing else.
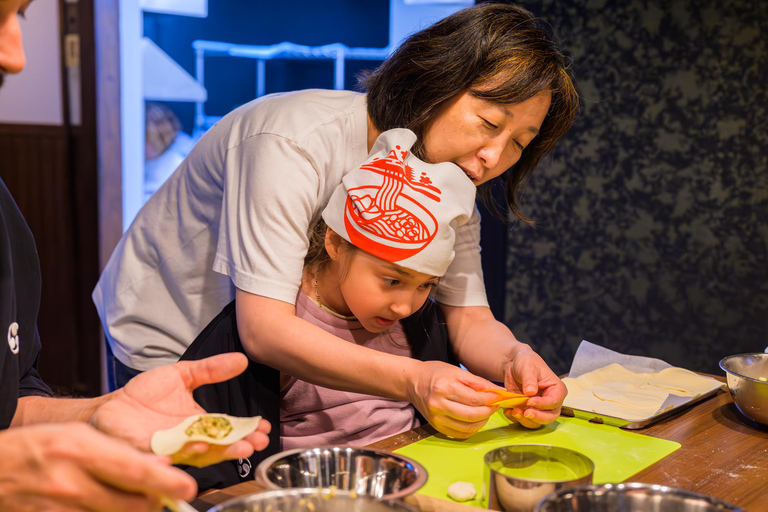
(450, 398)
(162, 398)
(72, 466)
(528, 374)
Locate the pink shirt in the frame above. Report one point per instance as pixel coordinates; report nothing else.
(312, 415)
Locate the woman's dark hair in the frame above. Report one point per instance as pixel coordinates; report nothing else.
(497, 52)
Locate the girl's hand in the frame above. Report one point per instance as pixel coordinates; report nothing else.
(450, 398)
(528, 374)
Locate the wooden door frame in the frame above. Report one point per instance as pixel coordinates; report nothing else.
(108, 136)
(108, 128)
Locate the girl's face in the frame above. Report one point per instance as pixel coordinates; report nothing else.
(482, 137)
(378, 292)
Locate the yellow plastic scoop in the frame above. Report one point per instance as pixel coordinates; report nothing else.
(506, 399)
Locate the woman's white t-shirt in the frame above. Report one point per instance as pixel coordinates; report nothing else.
(237, 213)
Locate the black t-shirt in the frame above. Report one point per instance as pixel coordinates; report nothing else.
(19, 303)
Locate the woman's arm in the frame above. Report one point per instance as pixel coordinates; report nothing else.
(488, 348)
(447, 396)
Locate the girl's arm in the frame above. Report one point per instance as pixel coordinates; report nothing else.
(488, 348)
(447, 396)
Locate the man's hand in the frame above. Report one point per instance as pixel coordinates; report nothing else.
(162, 398)
(528, 374)
(72, 466)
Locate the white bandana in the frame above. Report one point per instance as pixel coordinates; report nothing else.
(401, 209)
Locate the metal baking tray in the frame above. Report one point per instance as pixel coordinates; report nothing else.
(638, 424)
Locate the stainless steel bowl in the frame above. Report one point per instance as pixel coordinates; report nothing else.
(368, 472)
(308, 500)
(743, 372)
(630, 497)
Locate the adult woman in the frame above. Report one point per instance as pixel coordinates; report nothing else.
(485, 89)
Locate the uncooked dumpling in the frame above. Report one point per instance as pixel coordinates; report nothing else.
(211, 428)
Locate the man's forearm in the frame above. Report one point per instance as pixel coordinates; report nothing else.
(37, 409)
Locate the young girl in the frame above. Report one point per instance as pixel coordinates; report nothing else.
(385, 238)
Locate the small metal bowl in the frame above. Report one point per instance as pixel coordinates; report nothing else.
(308, 500)
(367, 472)
(743, 372)
(630, 497)
(518, 476)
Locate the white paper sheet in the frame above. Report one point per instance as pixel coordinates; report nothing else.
(590, 357)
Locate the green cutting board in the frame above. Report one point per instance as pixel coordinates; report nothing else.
(617, 454)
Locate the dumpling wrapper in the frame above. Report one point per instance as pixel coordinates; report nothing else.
(630, 395)
(615, 391)
(507, 399)
(170, 441)
(581, 397)
(684, 382)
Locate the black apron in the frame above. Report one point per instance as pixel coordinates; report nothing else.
(256, 392)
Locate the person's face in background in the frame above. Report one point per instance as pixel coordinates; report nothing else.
(11, 49)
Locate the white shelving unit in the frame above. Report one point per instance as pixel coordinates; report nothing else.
(336, 52)
(147, 73)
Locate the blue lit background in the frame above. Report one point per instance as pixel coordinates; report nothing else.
(232, 81)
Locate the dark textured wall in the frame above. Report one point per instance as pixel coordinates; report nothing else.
(652, 214)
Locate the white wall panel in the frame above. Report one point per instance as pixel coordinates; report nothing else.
(34, 96)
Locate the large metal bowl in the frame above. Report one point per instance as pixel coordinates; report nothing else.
(308, 500)
(375, 473)
(630, 497)
(744, 372)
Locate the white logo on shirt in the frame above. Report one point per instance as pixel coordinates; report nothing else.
(13, 337)
(243, 467)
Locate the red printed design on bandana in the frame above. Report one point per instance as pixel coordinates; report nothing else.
(384, 220)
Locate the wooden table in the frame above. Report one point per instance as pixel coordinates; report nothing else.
(721, 454)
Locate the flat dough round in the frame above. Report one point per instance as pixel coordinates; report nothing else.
(615, 391)
(170, 441)
(682, 382)
(462, 491)
(630, 395)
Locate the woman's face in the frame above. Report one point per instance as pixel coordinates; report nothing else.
(482, 137)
